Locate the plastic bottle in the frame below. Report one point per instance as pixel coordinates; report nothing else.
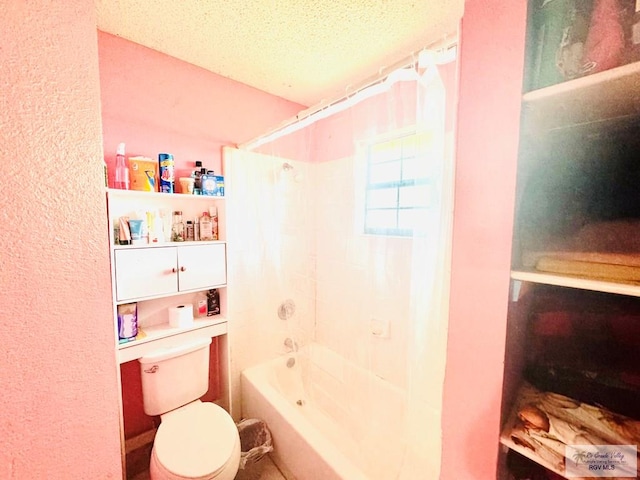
(196, 229)
(122, 172)
(213, 213)
(206, 228)
(177, 229)
(189, 233)
(201, 305)
(213, 302)
(195, 174)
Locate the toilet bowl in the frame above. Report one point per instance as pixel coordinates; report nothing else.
(198, 442)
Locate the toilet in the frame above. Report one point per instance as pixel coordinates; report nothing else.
(195, 440)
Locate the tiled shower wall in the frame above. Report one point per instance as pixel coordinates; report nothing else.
(309, 248)
(271, 259)
(301, 239)
(360, 278)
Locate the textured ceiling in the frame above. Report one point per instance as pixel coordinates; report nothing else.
(305, 51)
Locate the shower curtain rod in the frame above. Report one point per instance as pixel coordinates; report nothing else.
(444, 52)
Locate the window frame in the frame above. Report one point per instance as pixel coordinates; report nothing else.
(399, 185)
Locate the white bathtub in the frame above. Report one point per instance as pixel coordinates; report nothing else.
(329, 419)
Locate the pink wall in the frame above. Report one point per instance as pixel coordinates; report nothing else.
(490, 78)
(155, 103)
(59, 403)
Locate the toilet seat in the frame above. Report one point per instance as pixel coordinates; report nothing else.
(196, 441)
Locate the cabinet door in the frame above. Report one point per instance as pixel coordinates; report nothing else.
(146, 272)
(202, 266)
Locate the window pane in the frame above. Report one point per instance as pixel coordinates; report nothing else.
(399, 193)
(416, 167)
(424, 143)
(382, 198)
(384, 172)
(380, 219)
(385, 151)
(416, 196)
(409, 146)
(413, 219)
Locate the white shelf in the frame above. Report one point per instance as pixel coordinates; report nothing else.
(164, 336)
(569, 422)
(525, 452)
(605, 95)
(137, 194)
(167, 244)
(171, 294)
(630, 289)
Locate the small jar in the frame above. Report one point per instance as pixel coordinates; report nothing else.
(177, 228)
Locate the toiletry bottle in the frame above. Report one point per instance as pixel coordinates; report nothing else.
(122, 172)
(213, 213)
(189, 231)
(197, 185)
(196, 229)
(206, 231)
(201, 305)
(177, 229)
(213, 302)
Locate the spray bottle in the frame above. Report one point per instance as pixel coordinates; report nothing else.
(122, 172)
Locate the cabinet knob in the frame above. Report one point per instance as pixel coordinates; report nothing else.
(173, 270)
(183, 269)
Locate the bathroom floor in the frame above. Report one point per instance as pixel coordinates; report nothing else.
(270, 472)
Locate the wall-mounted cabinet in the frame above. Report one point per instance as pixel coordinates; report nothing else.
(160, 275)
(572, 356)
(142, 273)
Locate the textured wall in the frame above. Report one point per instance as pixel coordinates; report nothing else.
(59, 403)
(490, 78)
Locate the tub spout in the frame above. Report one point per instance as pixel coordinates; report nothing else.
(291, 345)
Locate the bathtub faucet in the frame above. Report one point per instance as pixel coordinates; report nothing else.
(291, 344)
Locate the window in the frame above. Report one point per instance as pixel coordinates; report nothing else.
(399, 190)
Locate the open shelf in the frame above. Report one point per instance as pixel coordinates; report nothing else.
(525, 452)
(605, 95)
(163, 336)
(138, 194)
(630, 289)
(168, 244)
(562, 421)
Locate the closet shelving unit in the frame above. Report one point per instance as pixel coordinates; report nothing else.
(589, 104)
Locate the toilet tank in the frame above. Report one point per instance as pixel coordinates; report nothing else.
(175, 376)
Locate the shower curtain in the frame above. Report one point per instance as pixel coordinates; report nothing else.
(347, 221)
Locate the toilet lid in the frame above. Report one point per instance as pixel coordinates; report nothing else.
(196, 441)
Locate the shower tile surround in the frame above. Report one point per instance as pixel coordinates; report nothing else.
(340, 279)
